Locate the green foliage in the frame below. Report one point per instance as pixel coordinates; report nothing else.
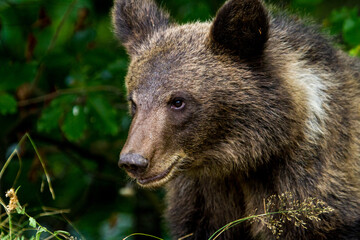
(307, 3)
(74, 115)
(7, 104)
(13, 227)
(74, 123)
(346, 21)
(61, 80)
(52, 115)
(14, 74)
(32, 222)
(104, 116)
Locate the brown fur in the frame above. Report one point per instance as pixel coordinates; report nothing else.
(269, 107)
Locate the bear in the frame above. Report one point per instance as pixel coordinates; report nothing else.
(229, 112)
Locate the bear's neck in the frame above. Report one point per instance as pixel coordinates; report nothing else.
(200, 205)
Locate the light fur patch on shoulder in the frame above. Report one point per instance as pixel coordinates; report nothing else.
(312, 84)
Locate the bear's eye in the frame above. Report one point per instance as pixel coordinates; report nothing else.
(177, 104)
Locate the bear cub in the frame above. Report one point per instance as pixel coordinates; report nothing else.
(229, 112)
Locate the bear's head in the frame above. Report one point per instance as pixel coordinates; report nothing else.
(202, 98)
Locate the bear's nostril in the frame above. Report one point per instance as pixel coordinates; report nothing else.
(133, 163)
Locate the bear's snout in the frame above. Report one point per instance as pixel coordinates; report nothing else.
(133, 163)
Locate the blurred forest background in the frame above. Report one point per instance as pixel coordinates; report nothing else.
(61, 81)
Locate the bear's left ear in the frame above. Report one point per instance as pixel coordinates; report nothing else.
(136, 20)
(240, 28)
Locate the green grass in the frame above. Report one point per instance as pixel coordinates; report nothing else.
(12, 229)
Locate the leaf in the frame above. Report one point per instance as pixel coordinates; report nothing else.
(337, 18)
(75, 123)
(351, 30)
(20, 210)
(355, 52)
(104, 117)
(51, 116)
(6, 237)
(32, 222)
(15, 74)
(39, 231)
(346, 21)
(8, 104)
(49, 119)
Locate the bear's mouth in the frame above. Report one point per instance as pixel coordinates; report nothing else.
(159, 179)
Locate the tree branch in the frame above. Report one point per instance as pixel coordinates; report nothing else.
(60, 92)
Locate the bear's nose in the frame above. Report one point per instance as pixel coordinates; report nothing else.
(133, 163)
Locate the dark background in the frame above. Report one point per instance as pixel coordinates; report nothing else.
(61, 81)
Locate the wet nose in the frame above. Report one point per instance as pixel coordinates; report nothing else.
(133, 163)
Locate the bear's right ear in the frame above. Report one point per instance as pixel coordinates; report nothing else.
(135, 20)
(240, 28)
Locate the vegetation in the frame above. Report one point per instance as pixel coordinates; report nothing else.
(61, 81)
